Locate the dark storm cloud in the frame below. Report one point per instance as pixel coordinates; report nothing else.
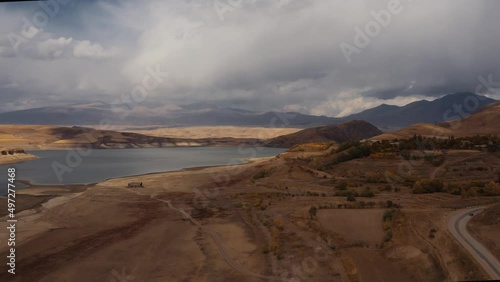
(259, 55)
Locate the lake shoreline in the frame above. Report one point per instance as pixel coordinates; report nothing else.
(36, 195)
(16, 158)
(194, 143)
(53, 167)
(196, 168)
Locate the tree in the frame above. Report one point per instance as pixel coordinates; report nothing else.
(389, 203)
(312, 212)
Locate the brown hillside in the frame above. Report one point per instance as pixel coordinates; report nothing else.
(485, 121)
(52, 137)
(426, 130)
(350, 131)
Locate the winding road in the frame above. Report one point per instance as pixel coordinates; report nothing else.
(458, 227)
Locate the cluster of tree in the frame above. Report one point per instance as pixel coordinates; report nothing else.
(428, 186)
(476, 189)
(436, 160)
(361, 205)
(5, 152)
(466, 190)
(352, 152)
(417, 142)
(351, 195)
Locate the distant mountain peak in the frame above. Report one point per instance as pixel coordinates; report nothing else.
(422, 111)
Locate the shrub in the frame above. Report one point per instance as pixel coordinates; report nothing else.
(428, 186)
(375, 177)
(454, 189)
(388, 236)
(344, 146)
(387, 215)
(352, 153)
(346, 193)
(389, 204)
(265, 249)
(263, 173)
(341, 185)
(278, 223)
(432, 233)
(435, 160)
(312, 212)
(367, 193)
(492, 189)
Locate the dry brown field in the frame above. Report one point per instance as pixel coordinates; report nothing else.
(252, 222)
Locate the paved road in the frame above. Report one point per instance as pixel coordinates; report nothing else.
(457, 226)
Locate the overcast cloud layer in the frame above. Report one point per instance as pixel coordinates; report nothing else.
(257, 54)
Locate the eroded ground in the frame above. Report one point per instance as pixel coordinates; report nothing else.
(252, 222)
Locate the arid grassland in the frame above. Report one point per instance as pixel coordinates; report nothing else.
(312, 213)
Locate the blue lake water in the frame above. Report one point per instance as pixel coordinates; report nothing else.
(98, 165)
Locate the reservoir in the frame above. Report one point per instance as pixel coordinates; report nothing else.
(61, 167)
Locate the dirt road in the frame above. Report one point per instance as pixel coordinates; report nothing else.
(219, 244)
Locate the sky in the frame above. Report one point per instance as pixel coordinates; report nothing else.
(321, 57)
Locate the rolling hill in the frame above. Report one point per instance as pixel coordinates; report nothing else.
(482, 122)
(424, 129)
(55, 137)
(350, 131)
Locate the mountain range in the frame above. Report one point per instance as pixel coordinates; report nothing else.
(444, 109)
(485, 121)
(384, 116)
(482, 122)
